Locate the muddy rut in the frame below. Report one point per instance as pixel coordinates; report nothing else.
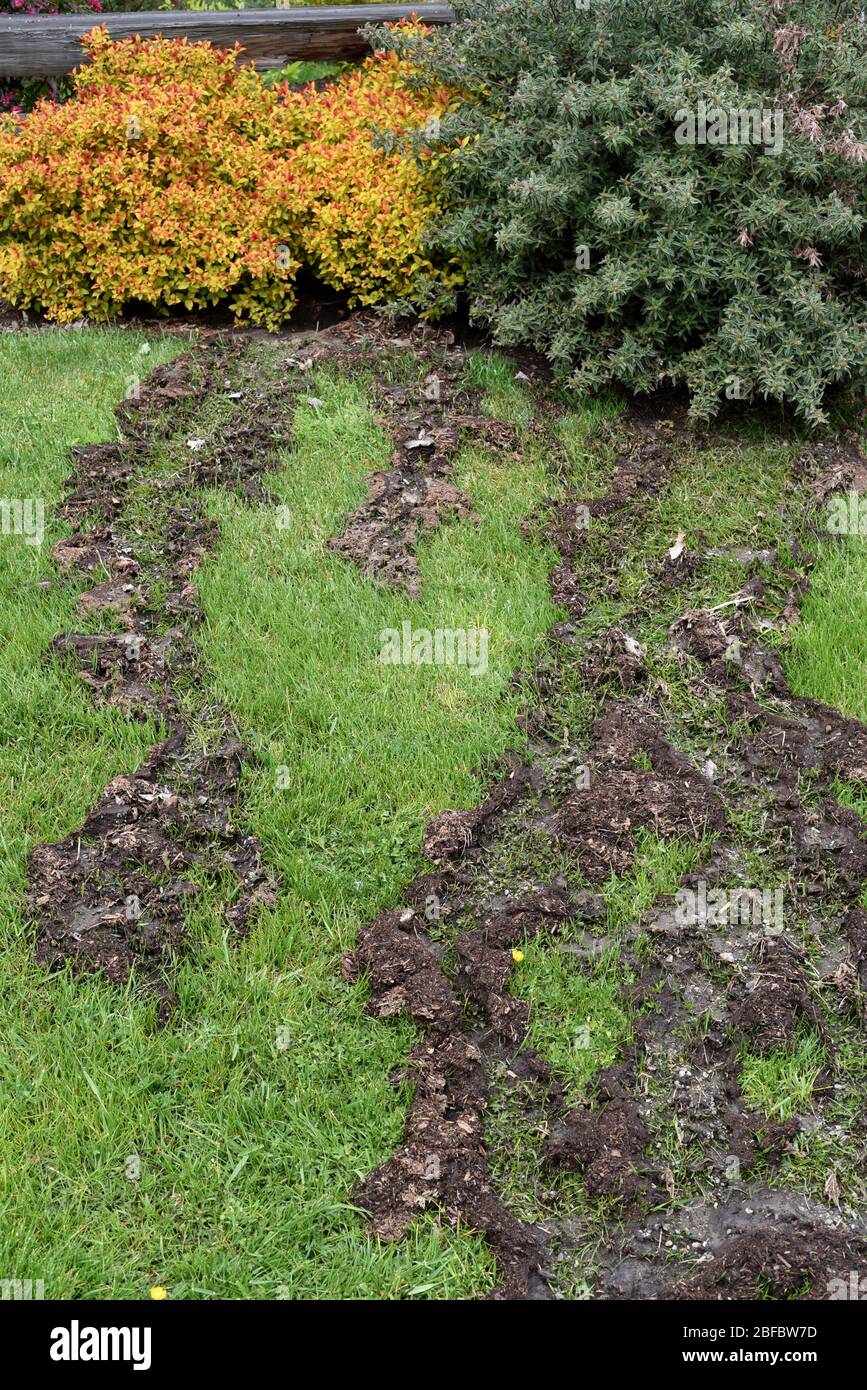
(701, 983)
(112, 896)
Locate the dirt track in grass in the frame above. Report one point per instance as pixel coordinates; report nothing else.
(113, 895)
(745, 969)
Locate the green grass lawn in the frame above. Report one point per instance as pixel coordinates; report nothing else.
(827, 655)
(216, 1156)
(254, 1112)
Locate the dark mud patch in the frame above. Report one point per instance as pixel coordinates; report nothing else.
(639, 471)
(855, 931)
(615, 661)
(452, 833)
(125, 671)
(777, 997)
(762, 1244)
(792, 734)
(793, 750)
(835, 467)
(808, 1264)
(688, 1040)
(441, 1160)
(605, 1142)
(112, 896)
(402, 505)
(485, 962)
(812, 738)
(664, 794)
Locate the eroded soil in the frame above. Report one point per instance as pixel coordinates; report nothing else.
(737, 975)
(113, 895)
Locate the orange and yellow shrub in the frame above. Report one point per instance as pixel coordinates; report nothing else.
(177, 177)
(363, 211)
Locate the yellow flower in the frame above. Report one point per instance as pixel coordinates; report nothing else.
(159, 1292)
(517, 956)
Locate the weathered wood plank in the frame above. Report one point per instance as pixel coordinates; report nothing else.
(50, 45)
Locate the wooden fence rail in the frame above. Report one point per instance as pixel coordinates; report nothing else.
(48, 45)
